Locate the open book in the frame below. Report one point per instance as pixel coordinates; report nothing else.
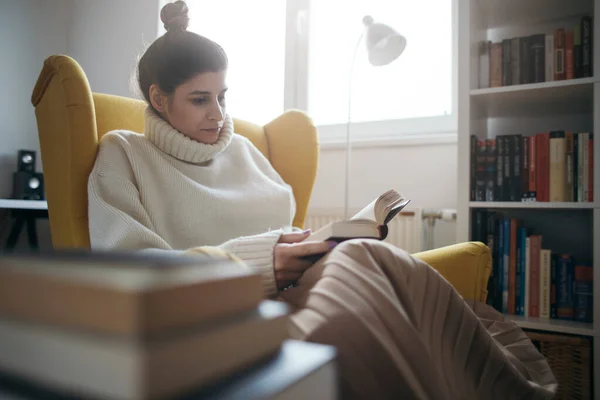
(370, 222)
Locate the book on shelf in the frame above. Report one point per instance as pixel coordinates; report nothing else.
(549, 59)
(555, 166)
(484, 64)
(586, 46)
(495, 65)
(564, 287)
(564, 53)
(545, 283)
(569, 54)
(514, 61)
(583, 292)
(132, 326)
(528, 278)
(559, 55)
(506, 58)
(558, 187)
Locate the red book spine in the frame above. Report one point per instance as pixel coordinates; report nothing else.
(559, 55)
(569, 55)
(532, 164)
(591, 168)
(538, 174)
(525, 164)
(543, 166)
(547, 167)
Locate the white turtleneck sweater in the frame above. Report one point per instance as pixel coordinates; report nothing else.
(164, 191)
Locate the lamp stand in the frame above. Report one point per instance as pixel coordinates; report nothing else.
(348, 144)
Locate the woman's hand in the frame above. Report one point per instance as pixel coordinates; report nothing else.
(288, 260)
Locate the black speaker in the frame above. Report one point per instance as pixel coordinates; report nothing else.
(28, 186)
(26, 161)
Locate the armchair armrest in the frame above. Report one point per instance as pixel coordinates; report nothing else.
(467, 266)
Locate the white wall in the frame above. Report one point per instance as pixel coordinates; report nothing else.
(106, 38)
(427, 174)
(30, 31)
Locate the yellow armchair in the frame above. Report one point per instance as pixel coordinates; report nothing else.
(71, 120)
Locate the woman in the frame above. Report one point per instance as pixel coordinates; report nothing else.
(190, 181)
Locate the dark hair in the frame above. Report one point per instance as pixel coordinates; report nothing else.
(178, 55)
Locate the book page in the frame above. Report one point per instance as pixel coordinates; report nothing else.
(382, 209)
(321, 234)
(367, 213)
(389, 205)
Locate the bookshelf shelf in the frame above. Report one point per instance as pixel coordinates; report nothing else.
(535, 88)
(534, 205)
(558, 97)
(553, 325)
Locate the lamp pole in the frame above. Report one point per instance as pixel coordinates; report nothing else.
(348, 145)
(384, 45)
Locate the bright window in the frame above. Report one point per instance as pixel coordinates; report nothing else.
(416, 85)
(298, 53)
(252, 33)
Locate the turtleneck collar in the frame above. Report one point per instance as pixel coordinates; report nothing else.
(164, 136)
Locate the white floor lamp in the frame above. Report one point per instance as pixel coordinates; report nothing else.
(384, 45)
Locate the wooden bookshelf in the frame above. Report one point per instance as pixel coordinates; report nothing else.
(535, 205)
(558, 97)
(541, 89)
(527, 109)
(553, 325)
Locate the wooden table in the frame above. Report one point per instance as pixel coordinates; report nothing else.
(24, 212)
(299, 371)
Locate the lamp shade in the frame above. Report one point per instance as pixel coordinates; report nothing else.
(384, 44)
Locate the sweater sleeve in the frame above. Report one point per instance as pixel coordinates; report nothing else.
(119, 221)
(256, 252)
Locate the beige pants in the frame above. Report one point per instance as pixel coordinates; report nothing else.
(403, 332)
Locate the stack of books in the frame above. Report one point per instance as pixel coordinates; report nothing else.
(119, 326)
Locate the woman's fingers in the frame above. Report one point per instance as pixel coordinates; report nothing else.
(309, 248)
(290, 256)
(287, 275)
(295, 237)
(285, 260)
(285, 278)
(284, 284)
(291, 259)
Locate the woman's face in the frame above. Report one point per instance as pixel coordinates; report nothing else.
(197, 107)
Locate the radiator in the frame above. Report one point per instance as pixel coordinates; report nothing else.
(405, 230)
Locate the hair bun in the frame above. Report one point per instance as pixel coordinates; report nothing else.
(174, 16)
